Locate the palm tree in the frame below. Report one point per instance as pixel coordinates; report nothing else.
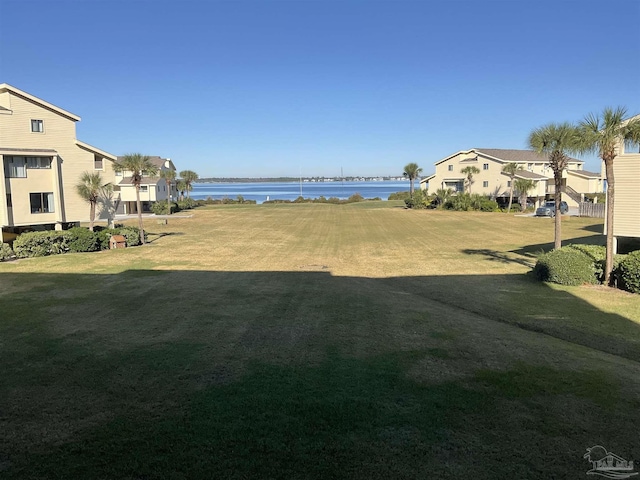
(555, 140)
(181, 186)
(470, 171)
(442, 196)
(169, 176)
(137, 165)
(411, 171)
(522, 186)
(188, 176)
(510, 169)
(602, 134)
(89, 188)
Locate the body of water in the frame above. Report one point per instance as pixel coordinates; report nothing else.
(291, 190)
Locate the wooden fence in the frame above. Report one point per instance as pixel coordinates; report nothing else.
(591, 209)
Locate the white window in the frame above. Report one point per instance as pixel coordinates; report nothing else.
(37, 126)
(144, 188)
(485, 166)
(97, 163)
(38, 162)
(451, 168)
(485, 184)
(41, 202)
(16, 167)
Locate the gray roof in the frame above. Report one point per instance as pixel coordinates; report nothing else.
(143, 181)
(28, 150)
(156, 161)
(529, 175)
(585, 173)
(517, 156)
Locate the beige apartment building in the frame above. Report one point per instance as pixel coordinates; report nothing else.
(626, 208)
(152, 189)
(491, 181)
(42, 162)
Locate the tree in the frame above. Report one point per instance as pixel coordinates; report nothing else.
(181, 186)
(522, 186)
(602, 134)
(169, 176)
(188, 176)
(411, 171)
(555, 140)
(89, 188)
(510, 169)
(137, 166)
(470, 171)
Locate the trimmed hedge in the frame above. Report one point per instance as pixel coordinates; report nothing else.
(6, 253)
(41, 244)
(84, 240)
(628, 272)
(566, 266)
(160, 208)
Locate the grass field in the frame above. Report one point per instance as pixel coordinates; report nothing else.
(315, 341)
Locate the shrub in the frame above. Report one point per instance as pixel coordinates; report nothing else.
(160, 208)
(399, 196)
(40, 244)
(628, 272)
(466, 202)
(418, 200)
(187, 204)
(6, 253)
(131, 234)
(566, 266)
(83, 240)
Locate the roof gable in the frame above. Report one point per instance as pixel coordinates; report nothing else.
(38, 101)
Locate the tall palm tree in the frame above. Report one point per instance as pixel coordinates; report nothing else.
(470, 171)
(189, 176)
(510, 169)
(602, 134)
(522, 186)
(89, 188)
(137, 166)
(411, 171)
(556, 140)
(169, 176)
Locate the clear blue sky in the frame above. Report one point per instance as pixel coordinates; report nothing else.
(269, 88)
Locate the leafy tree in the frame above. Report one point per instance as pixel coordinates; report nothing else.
(601, 134)
(169, 176)
(411, 171)
(188, 177)
(89, 188)
(555, 140)
(470, 171)
(137, 166)
(522, 186)
(511, 169)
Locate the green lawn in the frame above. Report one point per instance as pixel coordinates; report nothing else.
(315, 341)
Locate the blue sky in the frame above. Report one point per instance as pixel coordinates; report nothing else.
(274, 87)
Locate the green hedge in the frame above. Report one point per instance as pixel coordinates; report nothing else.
(6, 253)
(399, 195)
(566, 266)
(628, 272)
(160, 208)
(469, 202)
(83, 240)
(40, 244)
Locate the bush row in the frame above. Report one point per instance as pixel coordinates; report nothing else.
(160, 208)
(356, 197)
(460, 202)
(40, 244)
(585, 264)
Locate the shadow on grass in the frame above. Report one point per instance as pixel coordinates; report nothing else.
(158, 236)
(186, 374)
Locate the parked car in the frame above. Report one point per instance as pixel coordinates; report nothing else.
(549, 209)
